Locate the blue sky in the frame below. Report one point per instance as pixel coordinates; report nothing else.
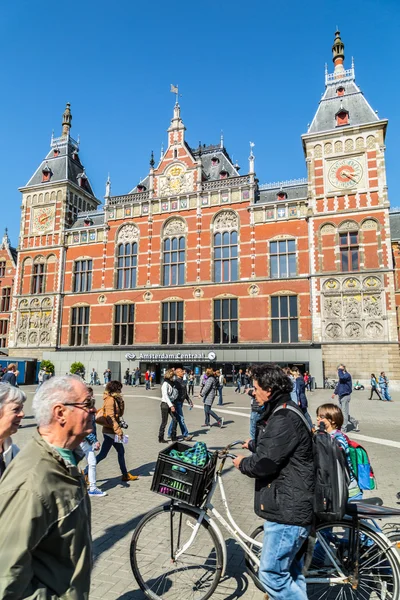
(252, 69)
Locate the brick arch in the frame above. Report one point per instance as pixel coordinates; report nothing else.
(25, 275)
(348, 225)
(174, 226)
(226, 220)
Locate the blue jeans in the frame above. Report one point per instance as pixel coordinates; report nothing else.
(179, 419)
(208, 412)
(280, 572)
(238, 386)
(385, 393)
(254, 416)
(105, 449)
(220, 395)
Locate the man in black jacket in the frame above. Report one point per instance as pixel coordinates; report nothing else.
(282, 465)
(183, 395)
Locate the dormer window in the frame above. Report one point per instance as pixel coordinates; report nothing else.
(223, 175)
(87, 221)
(214, 161)
(56, 152)
(46, 173)
(340, 91)
(281, 195)
(175, 153)
(342, 118)
(82, 180)
(141, 188)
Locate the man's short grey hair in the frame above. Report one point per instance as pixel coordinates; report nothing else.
(57, 390)
(10, 393)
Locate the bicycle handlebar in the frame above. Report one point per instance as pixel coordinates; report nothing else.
(225, 451)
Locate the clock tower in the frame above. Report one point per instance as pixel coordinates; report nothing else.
(351, 272)
(51, 199)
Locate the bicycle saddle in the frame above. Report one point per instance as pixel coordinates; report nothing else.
(369, 511)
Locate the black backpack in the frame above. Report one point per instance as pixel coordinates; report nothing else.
(332, 476)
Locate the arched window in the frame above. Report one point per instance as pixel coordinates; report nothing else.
(38, 276)
(174, 260)
(127, 265)
(225, 256)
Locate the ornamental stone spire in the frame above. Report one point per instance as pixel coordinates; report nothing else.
(66, 120)
(338, 52)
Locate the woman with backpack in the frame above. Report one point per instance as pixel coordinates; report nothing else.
(168, 396)
(374, 387)
(332, 418)
(208, 394)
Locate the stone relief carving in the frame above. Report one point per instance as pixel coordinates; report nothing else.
(198, 293)
(369, 224)
(226, 221)
(34, 322)
(128, 233)
(333, 330)
(176, 181)
(327, 229)
(175, 227)
(353, 316)
(349, 226)
(253, 290)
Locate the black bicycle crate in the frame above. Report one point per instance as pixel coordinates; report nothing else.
(186, 482)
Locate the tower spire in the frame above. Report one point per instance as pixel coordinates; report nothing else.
(338, 52)
(66, 120)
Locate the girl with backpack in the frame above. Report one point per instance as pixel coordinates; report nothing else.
(332, 417)
(169, 394)
(374, 387)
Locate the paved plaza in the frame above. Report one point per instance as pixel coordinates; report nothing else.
(115, 517)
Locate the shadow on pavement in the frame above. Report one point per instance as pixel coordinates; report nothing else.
(112, 535)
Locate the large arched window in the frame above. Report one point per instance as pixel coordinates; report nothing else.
(226, 256)
(226, 225)
(127, 265)
(174, 261)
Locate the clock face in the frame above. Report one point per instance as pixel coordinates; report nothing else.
(345, 173)
(43, 218)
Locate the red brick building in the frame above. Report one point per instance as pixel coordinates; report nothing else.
(8, 266)
(199, 264)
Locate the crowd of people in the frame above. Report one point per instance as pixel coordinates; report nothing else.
(44, 493)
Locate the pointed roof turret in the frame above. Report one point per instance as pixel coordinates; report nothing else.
(66, 120)
(341, 94)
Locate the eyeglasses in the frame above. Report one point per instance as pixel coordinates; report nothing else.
(88, 403)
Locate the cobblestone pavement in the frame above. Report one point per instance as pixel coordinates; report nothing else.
(115, 516)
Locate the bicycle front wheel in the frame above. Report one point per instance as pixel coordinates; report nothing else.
(335, 574)
(160, 573)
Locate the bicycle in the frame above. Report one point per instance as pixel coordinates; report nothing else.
(178, 551)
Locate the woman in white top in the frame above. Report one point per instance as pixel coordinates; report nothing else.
(11, 413)
(168, 395)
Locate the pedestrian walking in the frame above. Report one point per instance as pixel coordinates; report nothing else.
(191, 384)
(254, 414)
(107, 376)
(374, 388)
(183, 396)
(11, 414)
(41, 377)
(282, 465)
(168, 395)
(147, 379)
(89, 446)
(11, 375)
(301, 395)
(220, 379)
(127, 377)
(384, 385)
(246, 380)
(112, 413)
(239, 381)
(343, 390)
(44, 506)
(137, 377)
(208, 394)
(153, 378)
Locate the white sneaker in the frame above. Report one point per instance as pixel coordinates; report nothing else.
(97, 493)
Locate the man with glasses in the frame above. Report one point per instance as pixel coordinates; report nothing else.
(44, 506)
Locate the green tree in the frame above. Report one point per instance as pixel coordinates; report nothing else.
(77, 367)
(47, 365)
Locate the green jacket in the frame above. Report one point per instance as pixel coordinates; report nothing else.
(45, 550)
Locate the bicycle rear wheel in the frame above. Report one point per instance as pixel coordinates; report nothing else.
(160, 534)
(333, 575)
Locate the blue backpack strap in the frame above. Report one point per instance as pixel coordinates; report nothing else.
(295, 410)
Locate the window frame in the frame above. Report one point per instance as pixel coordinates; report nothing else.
(281, 324)
(83, 278)
(126, 327)
(126, 272)
(277, 255)
(6, 299)
(172, 324)
(3, 332)
(223, 263)
(79, 331)
(228, 321)
(348, 249)
(38, 285)
(3, 266)
(178, 265)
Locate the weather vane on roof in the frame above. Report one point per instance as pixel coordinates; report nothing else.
(175, 90)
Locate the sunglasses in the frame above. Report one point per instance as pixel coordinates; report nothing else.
(88, 403)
